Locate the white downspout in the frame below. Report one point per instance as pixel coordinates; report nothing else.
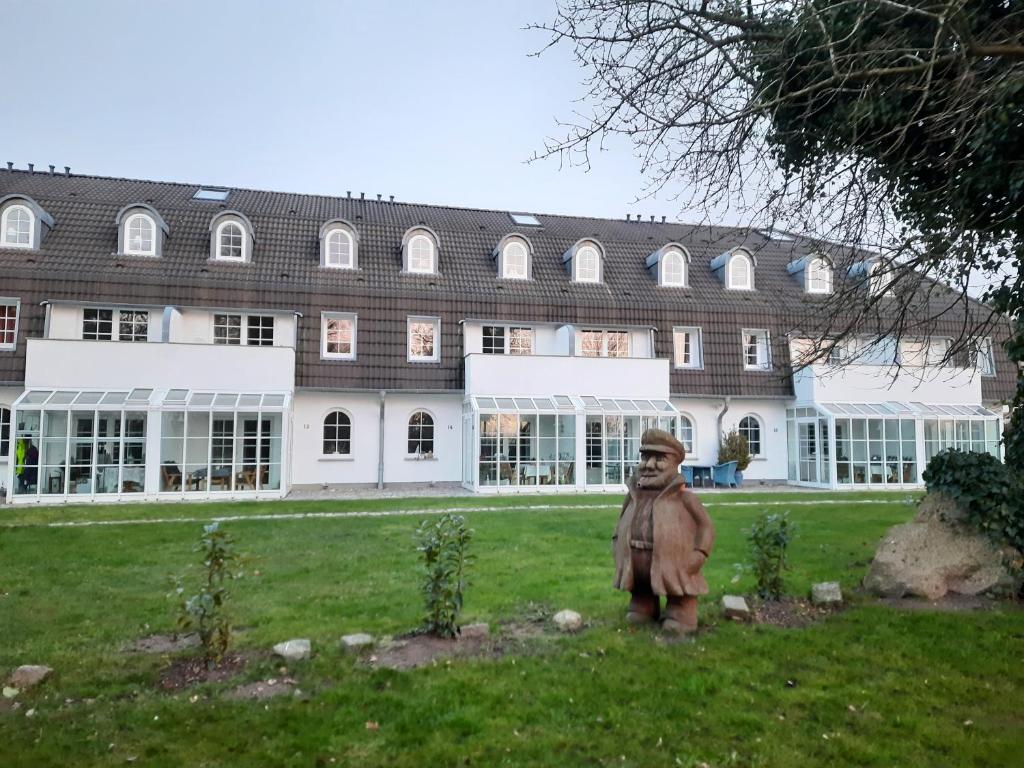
(380, 445)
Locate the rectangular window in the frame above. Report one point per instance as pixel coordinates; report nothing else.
(133, 326)
(984, 360)
(259, 331)
(520, 341)
(98, 324)
(494, 340)
(687, 347)
(227, 329)
(756, 352)
(8, 323)
(604, 343)
(502, 340)
(338, 336)
(424, 339)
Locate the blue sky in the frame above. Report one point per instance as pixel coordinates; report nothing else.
(435, 102)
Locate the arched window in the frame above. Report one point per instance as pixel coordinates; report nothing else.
(5, 432)
(339, 249)
(687, 434)
(588, 265)
(230, 242)
(421, 255)
(514, 261)
(337, 434)
(750, 428)
(17, 227)
(673, 269)
(140, 237)
(819, 276)
(740, 273)
(421, 434)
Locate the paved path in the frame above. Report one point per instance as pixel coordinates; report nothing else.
(712, 503)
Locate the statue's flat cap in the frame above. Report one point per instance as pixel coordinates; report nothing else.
(660, 441)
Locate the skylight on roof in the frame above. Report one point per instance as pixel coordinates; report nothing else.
(209, 193)
(526, 219)
(777, 234)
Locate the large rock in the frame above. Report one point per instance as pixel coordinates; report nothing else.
(293, 650)
(735, 607)
(568, 621)
(934, 555)
(29, 675)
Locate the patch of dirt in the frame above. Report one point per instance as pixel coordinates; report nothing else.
(950, 603)
(413, 651)
(263, 689)
(791, 612)
(192, 670)
(164, 643)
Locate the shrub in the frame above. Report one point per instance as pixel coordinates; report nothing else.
(443, 543)
(980, 484)
(733, 447)
(769, 537)
(206, 611)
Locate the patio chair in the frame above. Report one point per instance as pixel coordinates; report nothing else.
(171, 477)
(725, 474)
(687, 473)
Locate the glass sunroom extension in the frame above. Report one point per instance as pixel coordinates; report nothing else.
(524, 443)
(888, 444)
(146, 443)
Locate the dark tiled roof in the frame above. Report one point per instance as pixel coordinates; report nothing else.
(77, 262)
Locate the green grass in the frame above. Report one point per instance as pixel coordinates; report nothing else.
(885, 687)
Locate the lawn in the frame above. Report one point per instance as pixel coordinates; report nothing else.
(868, 686)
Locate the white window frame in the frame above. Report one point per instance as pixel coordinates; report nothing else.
(16, 303)
(507, 346)
(115, 323)
(127, 235)
(219, 250)
(245, 329)
(818, 276)
(731, 283)
(691, 452)
(506, 262)
(760, 433)
(432, 247)
(763, 349)
(8, 211)
(343, 232)
(323, 437)
(985, 351)
(879, 284)
(241, 329)
(696, 347)
(431, 454)
(418, 320)
(673, 255)
(10, 430)
(577, 263)
(325, 320)
(605, 333)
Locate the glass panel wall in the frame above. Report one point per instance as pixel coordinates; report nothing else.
(26, 451)
(980, 436)
(525, 449)
(876, 451)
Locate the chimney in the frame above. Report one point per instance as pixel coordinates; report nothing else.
(629, 217)
(349, 193)
(51, 169)
(652, 219)
(10, 166)
(362, 195)
(67, 170)
(662, 219)
(31, 167)
(379, 196)
(391, 198)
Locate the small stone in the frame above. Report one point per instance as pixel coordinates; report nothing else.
(568, 621)
(356, 641)
(475, 631)
(29, 675)
(735, 607)
(293, 650)
(827, 593)
(10, 693)
(30, 713)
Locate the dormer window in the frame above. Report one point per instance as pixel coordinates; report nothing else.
(585, 262)
(740, 273)
(17, 227)
(818, 276)
(669, 265)
(880, 277)
(338, 245)
(419, 251)
(232, 238)
(513, 255)
(140, 231)
(141, 240)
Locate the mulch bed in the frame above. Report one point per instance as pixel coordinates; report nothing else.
(192, 670)
(264, 689)
(791, 612)
(419, 650)
(164, 643)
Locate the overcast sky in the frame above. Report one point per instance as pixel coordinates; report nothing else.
(435, 102)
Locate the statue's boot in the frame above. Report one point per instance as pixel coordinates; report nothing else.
(680, 615)
(644, 607)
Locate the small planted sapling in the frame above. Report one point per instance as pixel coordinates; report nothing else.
(769, 538)
(443, 545)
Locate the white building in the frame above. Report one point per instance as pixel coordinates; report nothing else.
(163, 341)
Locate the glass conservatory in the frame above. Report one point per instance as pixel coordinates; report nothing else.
(837, 445)
(539, 443)
(146, 442)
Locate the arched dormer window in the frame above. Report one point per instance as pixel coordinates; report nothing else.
(818, 276)
(338, 245)
(514, 255)
(419, 251)
(740, 272)
(880, 277)
(140, 231)
(232, 238)
(585, 262)
(670, 265)
(22, 222)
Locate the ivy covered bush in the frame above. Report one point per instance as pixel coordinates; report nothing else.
(982, 487)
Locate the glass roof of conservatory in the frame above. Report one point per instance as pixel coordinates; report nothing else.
(572, 403)
(143, 398)
(907, 410)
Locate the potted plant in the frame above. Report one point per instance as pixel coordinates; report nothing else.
(733, 447)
